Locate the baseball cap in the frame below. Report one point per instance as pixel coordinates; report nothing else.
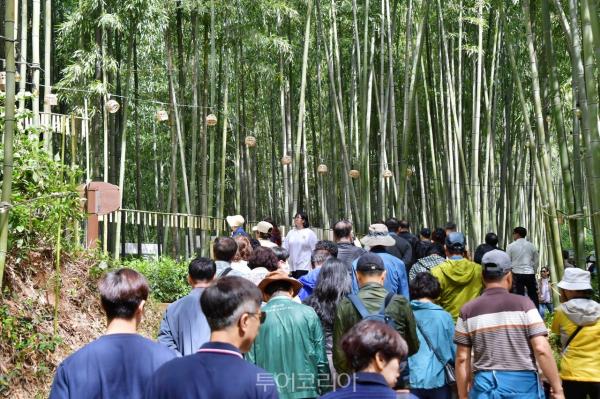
(262, 227)
(496, 263)
(369, 262)
(456, 241)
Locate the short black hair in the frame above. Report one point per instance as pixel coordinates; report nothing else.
(404, 224)
(439, 235)
(342, 229)
(521, 231)
(565, 254)
(224, 301)
(304, 217)
(450, 226)
(121, 292)
(328, 246)
(202, 269)
(369, 337)
(425, 232)
(224, 248)
(392, 224)
(281, 253)
(276, 286)
(424, 285)
(491, 239)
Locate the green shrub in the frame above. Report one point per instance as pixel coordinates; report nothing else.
(167, 278)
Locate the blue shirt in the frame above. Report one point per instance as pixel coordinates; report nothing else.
(309, 282)
(395, 279)
(365, 386)
(239, 232)
(216, 371)
(111, 367)
(426, 371)
(184, 327)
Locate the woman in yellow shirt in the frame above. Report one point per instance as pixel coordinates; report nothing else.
(578, 318)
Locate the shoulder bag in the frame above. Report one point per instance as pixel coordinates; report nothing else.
(449, 374)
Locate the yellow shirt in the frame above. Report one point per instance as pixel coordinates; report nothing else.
(581, 362)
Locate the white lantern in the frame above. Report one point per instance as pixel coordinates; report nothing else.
(211, 119)
(286, 160)
(51, 99)
(250, 141)
(387, 173)
(112, 106)
(162, 115)
(322, 169)
(355, 174)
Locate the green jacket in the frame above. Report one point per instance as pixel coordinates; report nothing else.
(460, 281)
(372, 295)
(291, 346)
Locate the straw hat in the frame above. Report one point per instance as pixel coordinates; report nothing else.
(263, 227)
(378, 235)
(278, 275)
(575, 279)
(235, 220)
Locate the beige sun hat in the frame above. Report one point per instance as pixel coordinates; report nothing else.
(278, 275)
(262, 227)
(378, 235)
(235, 220)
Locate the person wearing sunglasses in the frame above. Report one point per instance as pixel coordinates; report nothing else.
(291, 343)
(218, 370)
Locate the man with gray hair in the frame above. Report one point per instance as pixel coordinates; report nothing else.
(347, 251)
(232, 308)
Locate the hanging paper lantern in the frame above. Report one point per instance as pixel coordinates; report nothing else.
(51, 99)
(112, 106)
(354, 174)
(387, 173)
(211, 119)
(409, 171)
(286, 160)
(322, 169)
(250, 141)
(578, 112)
(162, 115)
(17, 77)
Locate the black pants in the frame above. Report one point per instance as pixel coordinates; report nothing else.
(581, 389)
(522, 281)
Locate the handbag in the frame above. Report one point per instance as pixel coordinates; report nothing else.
(449, 374)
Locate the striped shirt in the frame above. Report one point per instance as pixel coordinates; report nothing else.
(498, 326)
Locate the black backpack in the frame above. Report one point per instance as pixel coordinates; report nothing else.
(379, 315)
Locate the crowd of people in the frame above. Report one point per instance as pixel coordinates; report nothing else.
(391, 315)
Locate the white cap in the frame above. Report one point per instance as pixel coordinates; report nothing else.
(235, 220)
(263, 227)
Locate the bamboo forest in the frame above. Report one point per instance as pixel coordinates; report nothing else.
(132, 129)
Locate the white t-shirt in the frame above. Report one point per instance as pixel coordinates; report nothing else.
(300, 244)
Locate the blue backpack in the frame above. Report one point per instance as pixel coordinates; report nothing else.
(379, 315)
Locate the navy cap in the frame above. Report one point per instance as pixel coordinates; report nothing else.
(369, 262)
(456, 241)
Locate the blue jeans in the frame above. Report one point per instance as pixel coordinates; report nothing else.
(505, 385)
(546, 307)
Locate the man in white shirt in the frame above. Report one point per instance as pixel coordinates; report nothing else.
(524, 259)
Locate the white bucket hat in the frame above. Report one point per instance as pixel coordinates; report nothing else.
(235, 220)
(378, 235)
(575, 279)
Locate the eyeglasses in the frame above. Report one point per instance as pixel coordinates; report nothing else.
(262, 316)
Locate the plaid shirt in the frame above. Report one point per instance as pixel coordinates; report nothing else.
(425, 265)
